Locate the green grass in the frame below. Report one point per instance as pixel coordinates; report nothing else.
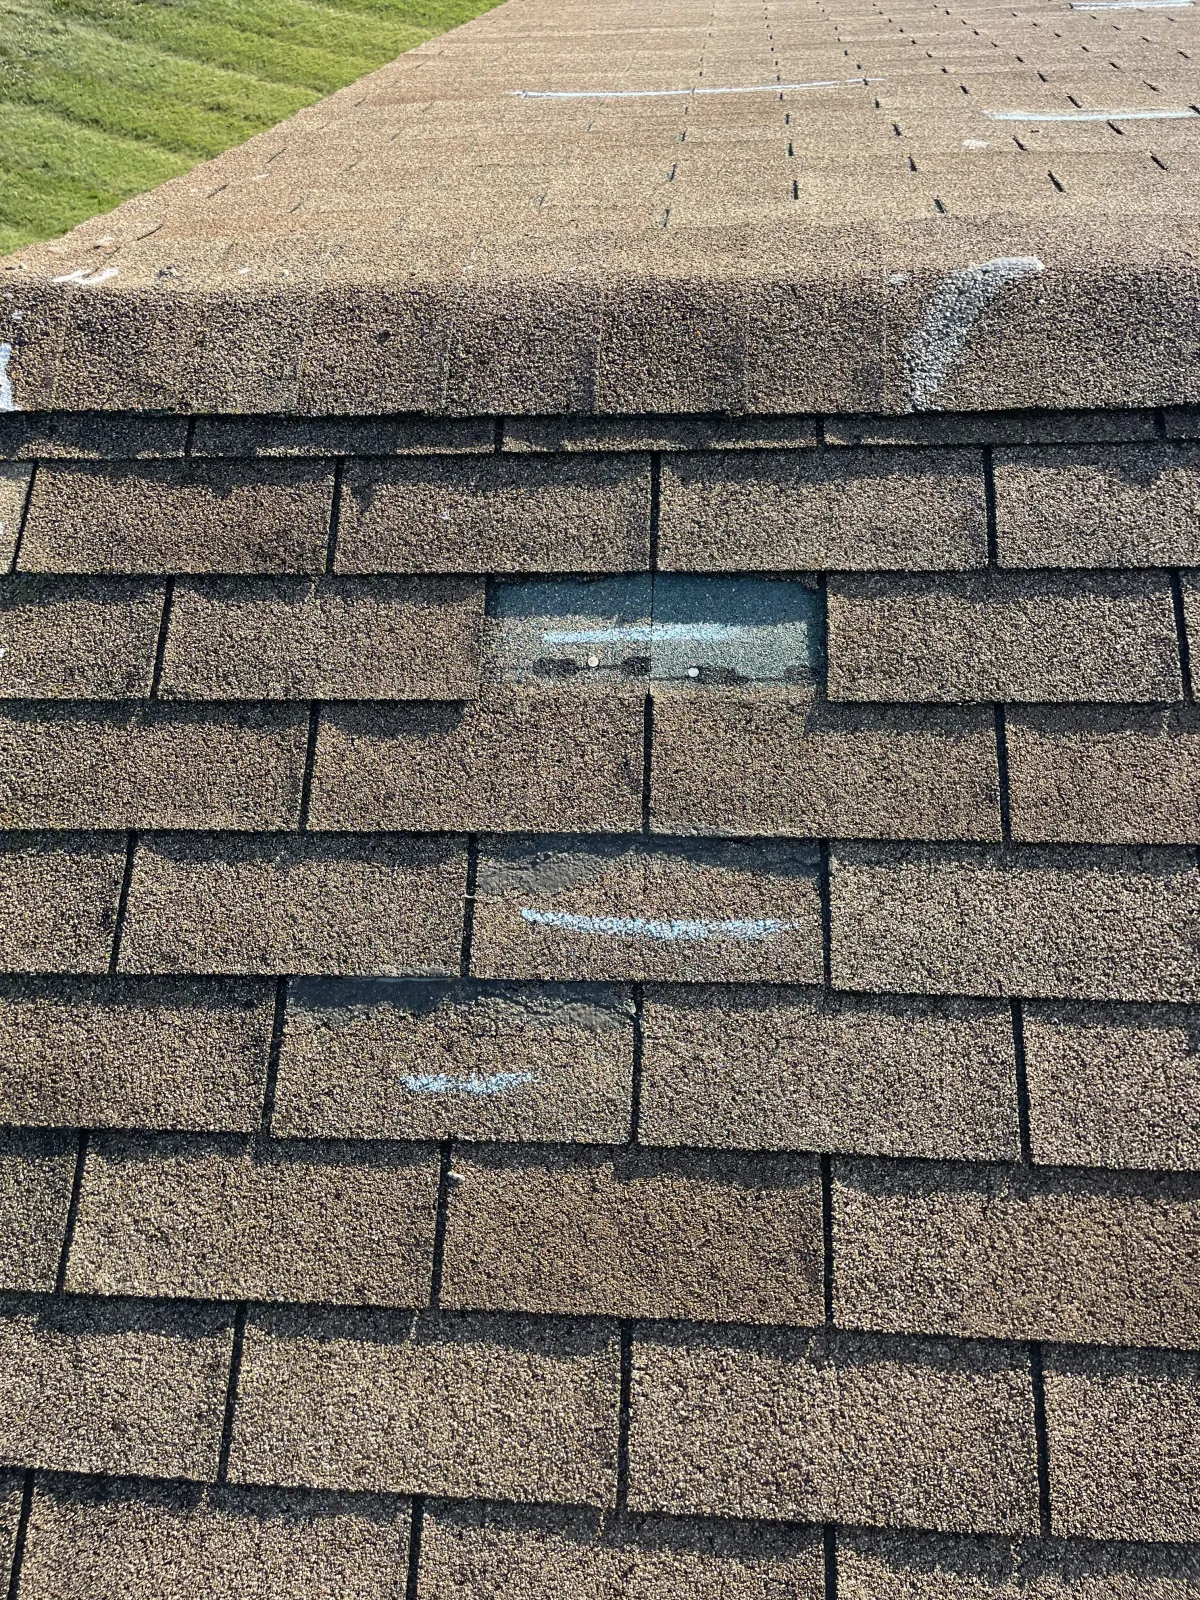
(101, 99)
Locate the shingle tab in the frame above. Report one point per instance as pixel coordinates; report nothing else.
(61, 893)
(1123, 1427)
(208, 1219)
(779, 510)
(379, 905)
(78, 638)
(179, 517)
(470, 1553)
(476, 1407)
(383, 1058)
(557, 434)
(14, 490)
(994, 428)
(624, 909)
(342, 436)
(784, 762)
(36, 1173)
(113, 1386)
(552, 758)
(1102, 924)
(1114, 1086)
(761, 1068)
(1003, 636)
(1098, 775)
(121, 1542)
(1128, 505)
(709, 1237)
(326, 638)
(833, 1427)
(496, 514)
(151, 766)
(1002, 1252)
(90, 436)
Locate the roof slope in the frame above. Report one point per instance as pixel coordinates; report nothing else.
(617, 207)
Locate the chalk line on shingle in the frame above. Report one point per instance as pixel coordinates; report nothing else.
(953, 310)
(7, 399)
(660, 94)
(1167, 114)
(685, 928)
(443, 1083)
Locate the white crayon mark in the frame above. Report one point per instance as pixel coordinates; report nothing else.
(1093, 116)
(442, 1083)
(7, 400)
(954, 308)
(659, 94)
(1129, 5)
(85, 275)
(689, 929)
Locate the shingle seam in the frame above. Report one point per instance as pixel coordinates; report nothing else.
(655, 506)
(14, 564)
(1003, 789)
(468, 926)
(81, 1150)
(441, 1217)
(638, 991)
(1181, 635)
(828, 1284)
(231, 1392)
(412, 1581)
(310, 761)
(275, 1051)
(829, 1555)
(21, 1537)
(1017, 1012)
(114, 959)
(160, 649)
(624, 1416)
(1041, 1438)
(335, 514)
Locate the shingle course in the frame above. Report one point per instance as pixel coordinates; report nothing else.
(61, 891)
(36, 1173)
(90, 436)
(78, 638)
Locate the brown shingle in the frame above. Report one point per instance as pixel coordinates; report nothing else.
(324, 638)
(776, 761)
(392, 1059)
(278, 904)
(216, 1220)
(780, 510)
(36, 1172)
(1132, 505)
(478, 1553)
(1190, 584)
(832, 1427)
(73, 638)
(496, 514)
(10, 1520)
(1114, 1086)
(90, 436)
(922, 1566)
(553, 758)
(760, 1068)
(113, 1386)
(994, 428)
(151, 766)
(1002, 1252)
(589, 1232)
(1003, 636)
(342, 436)
(559, 907)
(1124, 1430)
(1099, 775)
(179, 517)
(121, 1542)
(478, 1407)
(133, 1052)
(14, 489)
(61, 892)
(1099, 924)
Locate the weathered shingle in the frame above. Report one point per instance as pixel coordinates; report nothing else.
(1126, 505)
(90, 436)
(496, 514)
(326, 638)
(477, 1553)
(1002, 1252)
(1114, 1086)
(557, 434)
(782, 510)
(762, 1068)
(785, 762)
(117, 1386)
(179, 517)
(477, 1407)
(14, 490)
(546, 759)
(562, 907)
(78, 638)
(1003, 636)
(1123, 1429)
(810, 1428)
(221, 904)
(415, 1060)
(61, 893)
(36, 1172)
(1097, 775)
(66, 765)
(126, 1542)
(710, 1237)
(1086, 924)
(342, 436)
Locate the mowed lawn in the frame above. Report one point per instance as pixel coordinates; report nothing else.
(100, 99)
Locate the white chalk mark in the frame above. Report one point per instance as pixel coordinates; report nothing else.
(689, 929)
(954, 308)
(1130, 5)
(7, 400)
(88, 276)
(660, 94)
(1093, 116)
(442, 1083)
